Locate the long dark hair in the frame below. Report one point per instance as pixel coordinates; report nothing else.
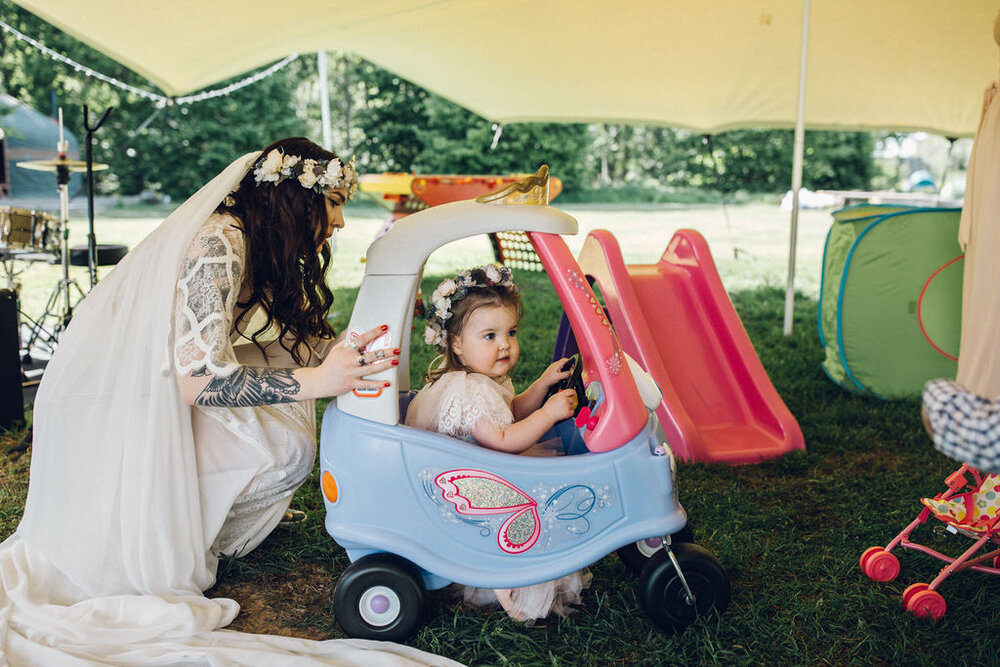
(461, 310)
(282, 225)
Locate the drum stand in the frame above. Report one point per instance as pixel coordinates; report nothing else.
(67, 292)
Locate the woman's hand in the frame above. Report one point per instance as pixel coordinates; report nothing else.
(561, 405)
(346, 366)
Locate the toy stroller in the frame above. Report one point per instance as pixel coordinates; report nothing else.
(970, 506)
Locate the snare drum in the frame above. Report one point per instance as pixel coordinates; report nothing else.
(22, 228)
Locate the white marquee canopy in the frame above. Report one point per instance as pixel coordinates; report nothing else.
(707, 66)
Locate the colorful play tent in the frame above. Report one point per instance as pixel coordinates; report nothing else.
(891, 298)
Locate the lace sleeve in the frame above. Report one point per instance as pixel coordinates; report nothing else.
(468, 399)
(206, 296)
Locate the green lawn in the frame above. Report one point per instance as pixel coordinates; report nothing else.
(789, 533)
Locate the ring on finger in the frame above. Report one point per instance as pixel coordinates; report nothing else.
(361, 360)
(380, 354)
(355, 346)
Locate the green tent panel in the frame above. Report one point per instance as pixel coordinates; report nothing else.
(890, 304)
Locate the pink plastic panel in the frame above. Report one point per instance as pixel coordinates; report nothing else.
(622, 415)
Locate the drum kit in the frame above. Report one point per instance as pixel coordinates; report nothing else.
(35, 236)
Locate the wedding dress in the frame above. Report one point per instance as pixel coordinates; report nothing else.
(126, 515)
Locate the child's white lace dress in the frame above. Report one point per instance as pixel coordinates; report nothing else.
(454, 404)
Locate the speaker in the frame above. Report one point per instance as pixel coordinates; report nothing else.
(11, 396)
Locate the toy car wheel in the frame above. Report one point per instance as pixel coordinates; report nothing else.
(662, 593)
(380, 596)
(912, 590)
(881, 566)
(927, 604)
(635, 555)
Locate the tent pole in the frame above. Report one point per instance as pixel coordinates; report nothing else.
(800, 133)
(324, 97)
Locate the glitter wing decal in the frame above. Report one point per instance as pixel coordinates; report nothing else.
(476, 492)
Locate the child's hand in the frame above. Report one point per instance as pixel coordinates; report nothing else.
(554, 374)
(560, 405)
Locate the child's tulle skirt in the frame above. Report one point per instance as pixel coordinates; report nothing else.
(530, 603)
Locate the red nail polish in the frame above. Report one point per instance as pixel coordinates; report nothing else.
(395, 362)
(396, 351)
(385, 327)
(387, 384)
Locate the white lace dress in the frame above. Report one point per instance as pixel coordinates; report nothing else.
(453, 404)
(272, 446)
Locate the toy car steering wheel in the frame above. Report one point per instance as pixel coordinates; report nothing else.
(574, 382)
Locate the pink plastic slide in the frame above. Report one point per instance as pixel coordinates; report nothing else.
(676, 320)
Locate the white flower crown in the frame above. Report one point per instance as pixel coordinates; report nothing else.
(453, 290)
(318, 175)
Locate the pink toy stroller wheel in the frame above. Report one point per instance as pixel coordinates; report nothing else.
(912, 590)
(868, 552)
(879, 564)
(927, 604)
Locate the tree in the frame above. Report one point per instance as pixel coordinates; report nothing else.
(761, 160)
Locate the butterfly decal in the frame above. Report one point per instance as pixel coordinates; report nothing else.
(480, 493)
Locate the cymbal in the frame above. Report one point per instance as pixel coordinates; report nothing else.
(53, 165)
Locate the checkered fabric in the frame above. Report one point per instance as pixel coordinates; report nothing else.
(966, 426)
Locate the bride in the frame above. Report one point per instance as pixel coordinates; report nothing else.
(175, 421)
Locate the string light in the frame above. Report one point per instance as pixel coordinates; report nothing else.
(160, 100)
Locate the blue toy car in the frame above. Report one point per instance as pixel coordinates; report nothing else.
(417, 510)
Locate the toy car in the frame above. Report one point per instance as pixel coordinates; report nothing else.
(417, 510)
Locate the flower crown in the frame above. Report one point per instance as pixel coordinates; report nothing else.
(318, 175)
(453, 290)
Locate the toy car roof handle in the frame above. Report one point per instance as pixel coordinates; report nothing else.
(415, 237)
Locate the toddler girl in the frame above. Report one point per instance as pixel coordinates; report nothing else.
(473, 322)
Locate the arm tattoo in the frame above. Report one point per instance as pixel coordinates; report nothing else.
(249, 386)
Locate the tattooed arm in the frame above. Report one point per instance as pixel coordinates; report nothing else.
(209, 371)
(253, 385)
(249, 386)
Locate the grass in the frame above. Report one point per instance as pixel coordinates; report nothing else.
(789, 532)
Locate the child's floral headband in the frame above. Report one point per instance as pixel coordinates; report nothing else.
(318, 175)
(453, 290)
